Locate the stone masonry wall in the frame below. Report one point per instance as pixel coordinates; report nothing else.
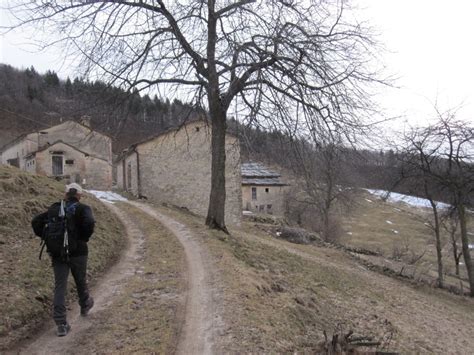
(123, 183)
(97, 173)
(274, 197)
(176, 168)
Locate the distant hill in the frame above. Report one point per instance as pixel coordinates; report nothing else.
(30, 101)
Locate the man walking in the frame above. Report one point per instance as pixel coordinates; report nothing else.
(66, 228)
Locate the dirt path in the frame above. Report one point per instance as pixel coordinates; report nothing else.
(47, 342)
(202, 320)
(201, 317)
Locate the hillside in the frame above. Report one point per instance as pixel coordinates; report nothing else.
(31, 101)
(259, 294)
(26, 292)
(281, 297)
(400, 238)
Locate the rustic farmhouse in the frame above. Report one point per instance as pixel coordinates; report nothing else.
(71, 151)
(175, 167)
(262, 189)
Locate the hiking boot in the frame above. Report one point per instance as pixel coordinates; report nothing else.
(89, 304)
(63, 329)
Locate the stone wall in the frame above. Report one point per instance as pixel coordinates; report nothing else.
(18, 151)
(266, 195)
(95, 167)
(87, 170)
(176, 168)
(79, 136)
(126, 182)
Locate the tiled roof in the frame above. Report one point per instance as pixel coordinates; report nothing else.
(263, 181)
(257, 170)
(258, 174)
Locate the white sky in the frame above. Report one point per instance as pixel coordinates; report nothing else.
(430, 49)
(431, 52)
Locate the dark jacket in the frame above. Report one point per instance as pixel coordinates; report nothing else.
(83, 225)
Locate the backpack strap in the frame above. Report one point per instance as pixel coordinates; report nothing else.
(42, 245)
(62, 213)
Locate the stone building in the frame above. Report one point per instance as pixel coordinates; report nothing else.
(175, 167)
(262, 189)
(70, 151)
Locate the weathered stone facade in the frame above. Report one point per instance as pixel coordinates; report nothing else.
(262, 190)
(69, 151)
(175, 167)
(268, 199)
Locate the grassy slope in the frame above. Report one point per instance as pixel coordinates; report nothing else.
(277, 301)
(27, 283)
(369, 229)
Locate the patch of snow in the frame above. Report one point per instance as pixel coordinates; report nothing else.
(350, 233)
(461, 263)
(247, 213)
(409, 200)
(470, 233)
(368, 200)
(397, 209)
(394, 231)
(278, 234)
(389, 222)
(471, 246)
(107, 196)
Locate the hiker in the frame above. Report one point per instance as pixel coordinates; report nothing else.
(65, 229)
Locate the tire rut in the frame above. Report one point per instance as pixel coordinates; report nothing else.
(202, 320)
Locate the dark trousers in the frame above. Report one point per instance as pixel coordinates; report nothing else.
(78, 267)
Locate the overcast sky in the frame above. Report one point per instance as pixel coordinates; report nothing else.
(429, 48)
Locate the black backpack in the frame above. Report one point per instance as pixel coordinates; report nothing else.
(59, 235)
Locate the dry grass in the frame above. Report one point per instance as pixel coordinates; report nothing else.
(280, 297)
(406, 238)
(145, 318)
(27, 283)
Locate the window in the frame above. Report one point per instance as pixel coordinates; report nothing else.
(267, 190)
(14, 162)
(269, 209)
(69, 161)
(57, 165)
(254, 193)
(197, 129)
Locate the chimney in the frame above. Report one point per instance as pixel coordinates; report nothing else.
(86, 121)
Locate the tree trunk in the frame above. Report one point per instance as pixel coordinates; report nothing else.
(457, 266)
(465, 247)
(438, 238)
(457, 256)
(438, 248)
(216, 212)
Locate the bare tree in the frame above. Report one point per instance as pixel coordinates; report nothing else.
(260, 58)
(440, 157)
(419, 161)
(457, 174)
(323, 170)
(450, 223)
